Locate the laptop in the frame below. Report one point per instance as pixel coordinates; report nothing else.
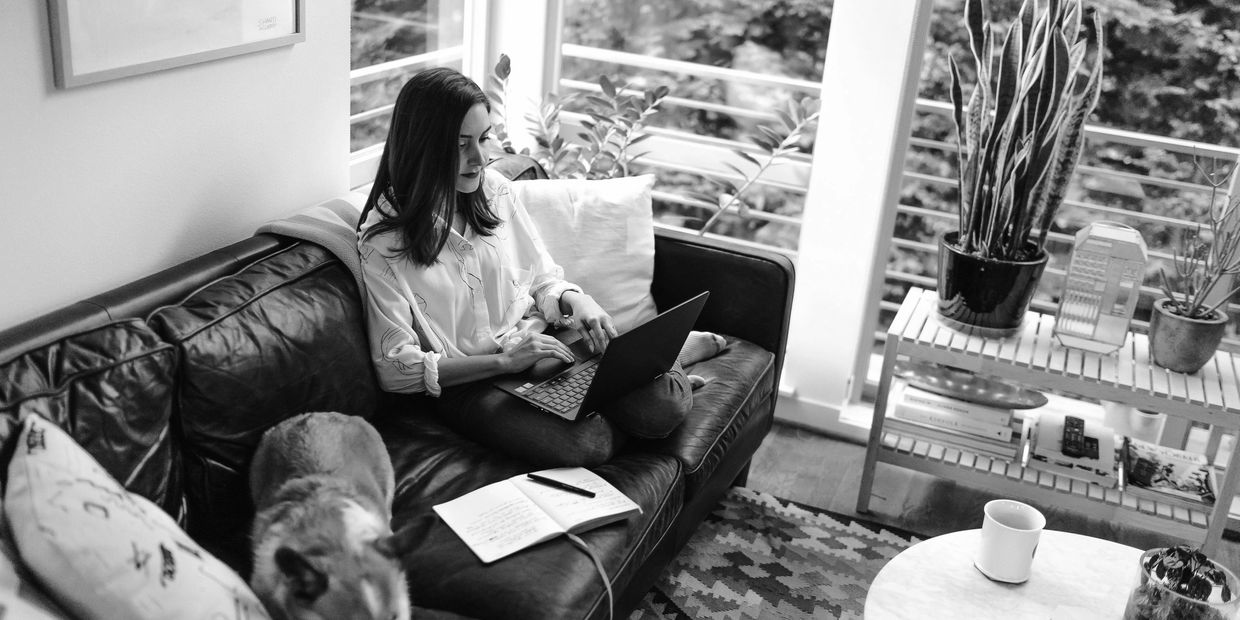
(631, 360)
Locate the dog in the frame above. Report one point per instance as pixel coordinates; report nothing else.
(322, 485)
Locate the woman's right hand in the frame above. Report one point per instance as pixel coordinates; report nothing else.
(533, 348)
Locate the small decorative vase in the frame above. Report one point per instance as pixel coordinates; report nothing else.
(1182, 344)
(985, 293)
(1155, 599)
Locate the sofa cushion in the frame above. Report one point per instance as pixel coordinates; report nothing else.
(111, 387)
(103, 552)
(740, 384)
(551, 580)
(602, 233)
(283, 336)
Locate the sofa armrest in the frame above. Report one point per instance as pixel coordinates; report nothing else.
(750, 288)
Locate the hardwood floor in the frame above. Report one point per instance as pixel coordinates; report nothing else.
(804, 466)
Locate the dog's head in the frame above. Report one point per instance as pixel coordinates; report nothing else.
(366, 585)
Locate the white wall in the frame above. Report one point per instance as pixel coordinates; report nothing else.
(106, 183)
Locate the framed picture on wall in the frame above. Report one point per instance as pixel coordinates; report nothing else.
(93, 41)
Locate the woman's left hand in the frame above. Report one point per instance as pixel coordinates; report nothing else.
(588, 318)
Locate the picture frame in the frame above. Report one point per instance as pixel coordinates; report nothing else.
(97, 41)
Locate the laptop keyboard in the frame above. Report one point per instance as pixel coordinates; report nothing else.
(564, 392)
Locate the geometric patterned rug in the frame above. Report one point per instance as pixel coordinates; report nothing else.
(757, 556)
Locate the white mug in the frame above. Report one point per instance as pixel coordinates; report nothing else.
(1010, 533)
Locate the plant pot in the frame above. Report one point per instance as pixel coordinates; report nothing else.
(1182, 344)
(1152, 600)
(987, 293)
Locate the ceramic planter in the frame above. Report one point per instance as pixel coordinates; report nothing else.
(986, 293)
(1182, 344)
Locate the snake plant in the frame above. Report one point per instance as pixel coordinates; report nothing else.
(1020, 135)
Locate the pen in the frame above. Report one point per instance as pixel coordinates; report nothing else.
(556, 484)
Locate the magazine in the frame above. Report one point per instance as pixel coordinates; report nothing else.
(1167, 474)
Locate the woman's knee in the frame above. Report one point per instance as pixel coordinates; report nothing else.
(655, 410)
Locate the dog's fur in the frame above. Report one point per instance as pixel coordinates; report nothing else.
(322, 485)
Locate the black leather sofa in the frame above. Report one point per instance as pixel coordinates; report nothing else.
(170, 381)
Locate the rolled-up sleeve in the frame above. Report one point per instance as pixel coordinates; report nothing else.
(396, 351)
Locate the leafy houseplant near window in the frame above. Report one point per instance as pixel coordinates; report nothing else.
(616, 123)
(1020, 138)
(1188, 324)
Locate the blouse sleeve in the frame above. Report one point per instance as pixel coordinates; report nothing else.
(549, 283)
(395, 349)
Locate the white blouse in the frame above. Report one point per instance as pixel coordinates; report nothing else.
(484, 294)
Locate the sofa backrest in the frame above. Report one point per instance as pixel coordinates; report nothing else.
(111, 388)
(283, 336)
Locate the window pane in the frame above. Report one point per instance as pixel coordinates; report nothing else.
(389, 31)
(385, 30)
(734, 63)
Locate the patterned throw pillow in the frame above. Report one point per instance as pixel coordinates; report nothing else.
(103, 552)
(20, 594)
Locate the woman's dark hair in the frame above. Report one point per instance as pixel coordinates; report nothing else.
(420, 163)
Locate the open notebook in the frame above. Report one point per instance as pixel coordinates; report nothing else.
(507, 516)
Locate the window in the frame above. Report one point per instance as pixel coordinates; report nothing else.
(728, 66)
(392, 40)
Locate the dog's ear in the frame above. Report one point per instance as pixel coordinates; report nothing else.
(307, 582)
(401, 543)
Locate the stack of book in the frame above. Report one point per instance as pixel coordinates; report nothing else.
(953, 423)
(1168, 475)
(1044, 437)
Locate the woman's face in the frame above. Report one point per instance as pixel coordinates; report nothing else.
(475, 131)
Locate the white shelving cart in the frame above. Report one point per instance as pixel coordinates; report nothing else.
(1033, 358)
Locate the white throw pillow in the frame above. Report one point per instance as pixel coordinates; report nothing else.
(103, 552)
(602, 233)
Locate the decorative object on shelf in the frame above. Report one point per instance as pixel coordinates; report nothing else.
(97, 41)
(1181, 583)
(967, 386)
(1101, 288)
(1188, 324)
(1020, 137)
(617, 116)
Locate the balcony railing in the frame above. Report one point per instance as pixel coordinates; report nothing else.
(671, 149)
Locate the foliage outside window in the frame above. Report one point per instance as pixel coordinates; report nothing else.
(389, 30)
(771, 37)
(1172, 71)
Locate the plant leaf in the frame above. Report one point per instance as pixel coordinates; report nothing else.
(608, 87)
(746, 156)
(503, 68)
(977, 22)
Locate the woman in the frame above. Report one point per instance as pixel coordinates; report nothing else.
(460, 288)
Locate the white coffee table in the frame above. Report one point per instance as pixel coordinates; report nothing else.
(1073, 576)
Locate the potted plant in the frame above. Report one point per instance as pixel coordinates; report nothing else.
(1188, 323)
(1182, 583)
(1020, 138)
(616, 122)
